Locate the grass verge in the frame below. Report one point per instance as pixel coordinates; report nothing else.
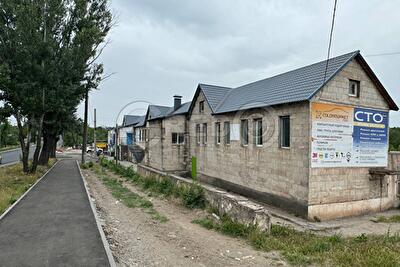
(390, 219)
(191, 196)
(298, 248)
(127, 197)
(304, 248)
(14, 182)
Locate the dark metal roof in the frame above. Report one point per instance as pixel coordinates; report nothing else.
(141, 122)
(293, 86)
(214, 94)
(130, 120)
(183, 109)
(159, 112)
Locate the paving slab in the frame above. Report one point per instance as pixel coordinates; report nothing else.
(53, 225)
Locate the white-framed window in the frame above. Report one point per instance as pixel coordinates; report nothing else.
(244, 132)
(258, 132)
(204, 133)
(354, 88)
(284, 131)
(201, 107)
(198, 134)
(178, 138)
(217, 133)
(227, 132)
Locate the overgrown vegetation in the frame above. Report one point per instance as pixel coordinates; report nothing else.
(87, 165)
(192, 196)
(127, 197)
(13, 183)
(390, 219)
(305, 248)
(394, 139)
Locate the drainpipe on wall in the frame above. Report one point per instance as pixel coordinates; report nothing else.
(162, 144)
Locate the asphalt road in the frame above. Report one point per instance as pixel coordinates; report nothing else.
(14, 155)
(53, 225)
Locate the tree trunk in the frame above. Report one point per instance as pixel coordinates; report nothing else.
(38, 146)
(53, 147)
(24, 147)
(45, 154)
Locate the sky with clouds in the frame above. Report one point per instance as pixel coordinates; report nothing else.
(160, 48)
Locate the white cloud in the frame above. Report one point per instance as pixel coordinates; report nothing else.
(162, 48)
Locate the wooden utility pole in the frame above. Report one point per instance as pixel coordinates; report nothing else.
(94, 134)
(84, 143)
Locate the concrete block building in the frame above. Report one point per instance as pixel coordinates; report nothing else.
(313, 141)
(166, 143)
(305, 140)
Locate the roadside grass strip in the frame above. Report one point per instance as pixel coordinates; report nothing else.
(305, 248)
(390, 219)
(191, 196)
(127, 197)
(14, 182)
(297, 247)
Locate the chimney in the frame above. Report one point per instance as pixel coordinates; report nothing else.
(177, 101)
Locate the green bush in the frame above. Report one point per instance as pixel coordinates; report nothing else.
(192, 196)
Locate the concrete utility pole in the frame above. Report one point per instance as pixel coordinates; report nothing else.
(84, 143)
(116, 143)
(94, 134)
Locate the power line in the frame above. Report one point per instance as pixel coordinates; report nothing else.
(330, 40)
(383, 54)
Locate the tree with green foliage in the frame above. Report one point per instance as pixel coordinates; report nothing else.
(394, 139)
(48, 61)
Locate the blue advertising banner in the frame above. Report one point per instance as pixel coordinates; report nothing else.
(344, 136)
(370, 137)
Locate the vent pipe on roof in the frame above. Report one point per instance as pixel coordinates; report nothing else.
(177, 101)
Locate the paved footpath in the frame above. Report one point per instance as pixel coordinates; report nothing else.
(53, 225)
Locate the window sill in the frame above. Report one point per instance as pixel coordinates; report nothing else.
(259, 146)
(285, 147)
(354, 96)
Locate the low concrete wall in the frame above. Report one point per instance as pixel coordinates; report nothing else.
(237, 207)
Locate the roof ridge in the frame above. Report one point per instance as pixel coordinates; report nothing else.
(206, 84)
(306, 66)
(354, 53)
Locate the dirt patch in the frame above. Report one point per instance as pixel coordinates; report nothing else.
(138, 240)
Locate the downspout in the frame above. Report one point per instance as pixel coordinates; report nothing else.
(186, 144)
(162, 145)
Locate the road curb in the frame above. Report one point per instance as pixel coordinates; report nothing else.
(26, 192)
(96, 217)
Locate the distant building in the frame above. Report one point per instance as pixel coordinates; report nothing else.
(307, 140)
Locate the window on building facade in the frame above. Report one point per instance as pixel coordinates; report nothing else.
(178, 138)
(354, 88)
(198, 133)
(227, 132)
(217, 133)
(201, 107)
(244, 132)
(204, 133)
(285, 131)
(258, 132)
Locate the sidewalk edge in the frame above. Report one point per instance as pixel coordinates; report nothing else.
(106, 245)
(26, 192)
